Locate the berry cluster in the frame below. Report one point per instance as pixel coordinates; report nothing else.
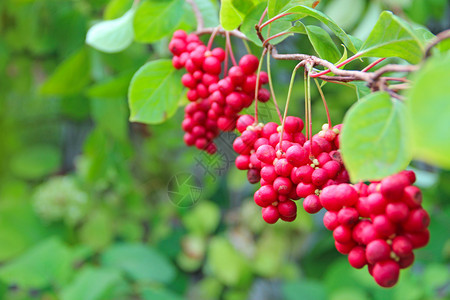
(377, 224)
(295, 169)
(216, 103)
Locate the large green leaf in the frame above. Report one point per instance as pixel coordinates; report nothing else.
(305, 11)
(156, 19)
(429, 111)
(95, 284)
(112, 35)
(154, 92)
(252, 18)
(140, 262)
(277, 6)
(45, 263)
(393, 37)
(230, 17)
(374, 140)
(70, 77)
(308, 289)
(320, 40)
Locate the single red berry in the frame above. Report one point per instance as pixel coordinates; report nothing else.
(225, 86)
(332, 168)
(219, 53)
(377, 203)
(412, 196)
(263, 95)
(330, 220)
(342, 234)
(234, 100)
(211, 65)
(189, 81)
(297, 155)
(357, 257)
(249, 64)
(240, 147)
(418, 220)
(319, 177)
(302, 174)
(397, 212)
(249, 137)
(306, 189)
(180, 34)
(406, 261)
(270, 214)
(392, 187)
(253, 176)
(242, 162)
(348, 216)
(384, 226)
(236, 75)
(287, 208)
(283, 167)
(323, 158)
(177, 46)
(189, 139)
(263, 77)
(282, 185)
(378, 250)
(311, 204)
(268, 173)
(269, 129)
(344, 248)
(369, 234)
(266, 154)
(259, 142)
(402, 246)
(357, 233)
(243, 122)
(386, 273)
(419, 239)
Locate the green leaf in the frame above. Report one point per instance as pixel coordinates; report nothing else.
(157, 19)
(304, 11)
(393, 37)
(209, 11)
(116, 8)
(374, 140)
(98, 230)
(154, 92)
(70, 77)
(252, 18)
(202, 219)
(112, 87)
(112, 35)
(140, 262)
(230, 17)
(151, 293)
(94, 284)
(36, 161)
(45, 263)
(277, 6)
(320, 40)
(428, 109)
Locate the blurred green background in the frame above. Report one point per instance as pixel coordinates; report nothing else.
(88, 201)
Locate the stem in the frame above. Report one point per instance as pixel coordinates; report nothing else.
(222, 31)
(228, 45)
(439, 38)
(373, 64)
(257, 83)
(197, 13)
(273, 19)
(306, 105)
(225, 64)
(211, 38)
(269, 73)
(275, 36)
(262, 17)
(324, 102)
(247, 47)
(291, 84)
(337, 66)
(309, 67)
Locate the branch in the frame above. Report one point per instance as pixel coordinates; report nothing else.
(439, 38)
(221, 31)
(198, 14)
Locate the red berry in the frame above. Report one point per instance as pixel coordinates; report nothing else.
(259, 142)
(253, 176)
(240, 147)
(177, 46)
(265, 196)
(319, 177)
(234, 100)
(242, 162)
(225, 86)
(293, 124)
(397, 212)
(211, 65)
(348, 216)
(243, 122)
(249, 137)
(218, 53)
(263, 77)
(386, 273)
(363, 207)
(180, 34)
(263, 95)
(377, 203)
(189, 81)
(332, 168)
(236, 75)
(311, 204)
(342, 234)
(249, 64)
(270, 214)
(268, 173)
(406, 261)
(402, 246)
(287, 208)
(302, 174)
(306, 189)
(283, 168)
(392, 187)
(419, 239)
(330, 220)
(357, 257)
(412, 196)
(266, 154)
(418, 220)
(282, 185)
(384, 226)
(344, 248)
(378, 250)
(297, 155)
(269, 129)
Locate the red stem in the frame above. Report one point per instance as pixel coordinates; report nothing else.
(273, 19)
(211, 38)
(274, 37)
(373, 64)
(338, 66)
(228, 45)
(262, 17)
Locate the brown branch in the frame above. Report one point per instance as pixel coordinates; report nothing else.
(197, 13)
(439, 38)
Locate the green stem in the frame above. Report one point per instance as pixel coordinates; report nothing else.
(269, 73)
(257, 84)
(291, 84)
(324, 102)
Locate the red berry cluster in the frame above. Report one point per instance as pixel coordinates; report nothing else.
(377, 224)
(290, 171)
(216, 103)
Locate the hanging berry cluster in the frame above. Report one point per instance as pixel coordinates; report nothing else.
(215, 103)
(377, 224)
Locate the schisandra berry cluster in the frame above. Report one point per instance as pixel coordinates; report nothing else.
(215, 103)
(295, 169)
(378, 225)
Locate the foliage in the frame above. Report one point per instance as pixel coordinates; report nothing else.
(84, 208)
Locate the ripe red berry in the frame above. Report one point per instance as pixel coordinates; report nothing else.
(377, 203)
(418, 220)
(392, 187)
(282, 185)
(270, 214)
(397, 212)
(311, 204)
(412, 196)
(234, 100)
(287, 208)
(342, 234)
(266, 154)
(319, 177)
(384, 226)
(378, 250)
(253, 176)
(357, 257)
(236, 75)
(283, 167)
(293, 124)
(263, 95)
(242, 162)
(249, 64)
(211, 65)
(297, 155)
(402, 246)
(406, 261)
(177, 46)
(344, 248)
(386, 273)
(306, 189)
(219, 53)
(419, 239)
(302, 174)
(348, 216)
(330, 220)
